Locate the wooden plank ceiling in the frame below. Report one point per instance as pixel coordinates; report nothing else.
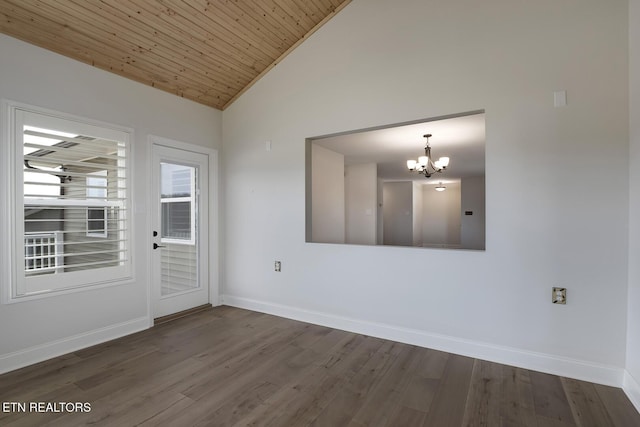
(209, 51)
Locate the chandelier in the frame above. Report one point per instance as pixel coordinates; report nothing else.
(425, 165)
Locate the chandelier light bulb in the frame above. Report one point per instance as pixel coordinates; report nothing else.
(411, 164)
(423, 160)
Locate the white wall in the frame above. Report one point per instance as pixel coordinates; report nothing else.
(397, 213)
(381, 62)
(327, 188)
(472, 197)
(441, 215)
(361, 200)
(632, 384)
(44, 327)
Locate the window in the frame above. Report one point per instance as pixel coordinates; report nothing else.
(69, 222)
(178, 203)
(97, 217)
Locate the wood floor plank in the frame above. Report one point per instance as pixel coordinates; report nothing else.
(229, 347)
(329, 340)
(292, 406)
(259, 359)
(552, 422)
(351, 397)
(21, 380)
(407, 417)
(383, 401)
(550, 399)
(345, 360)
(237, 382)
(227, 378)
(170, 380)
(483, 400)
(433, 364)
(449, 403)
(164, 415)
(517, 404)
(144, 397)
(619, 408)
(232, 367)
(425, 381)
(419, 393)
(586, 406)
(304, 398)
(313, 334)
(236, 408)
(348, 356)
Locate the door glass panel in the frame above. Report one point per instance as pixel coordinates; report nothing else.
(176, 220)
(176, 180)
(179, 251)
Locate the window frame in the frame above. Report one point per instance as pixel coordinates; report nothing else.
(102, 176)
(191, 199)
(16, 286)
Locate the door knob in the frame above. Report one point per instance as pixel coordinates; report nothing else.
(156, 246)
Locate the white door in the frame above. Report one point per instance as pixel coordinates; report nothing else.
(180, 230)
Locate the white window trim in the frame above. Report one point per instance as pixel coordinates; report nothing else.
(12, 286)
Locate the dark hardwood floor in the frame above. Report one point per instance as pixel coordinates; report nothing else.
(228, 367)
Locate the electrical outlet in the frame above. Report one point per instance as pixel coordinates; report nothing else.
(559, 295)
(278, 266)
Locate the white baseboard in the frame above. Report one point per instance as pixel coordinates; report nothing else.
(551, 364)
(39, 353)
(632, 389)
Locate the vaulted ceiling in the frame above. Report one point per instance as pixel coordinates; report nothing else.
(209, 51)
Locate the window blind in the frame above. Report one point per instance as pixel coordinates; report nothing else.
(61, 195)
